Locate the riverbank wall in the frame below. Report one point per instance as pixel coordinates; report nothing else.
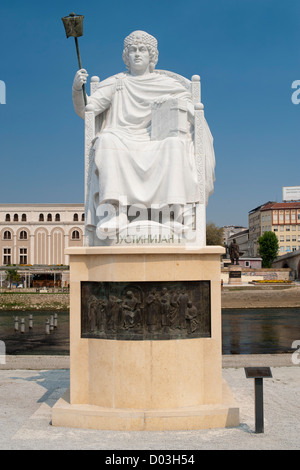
(34, 301)
(232, 297)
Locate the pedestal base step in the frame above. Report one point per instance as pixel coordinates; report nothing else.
(85, 416)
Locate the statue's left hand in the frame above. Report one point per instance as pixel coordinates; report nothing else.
(162, 99)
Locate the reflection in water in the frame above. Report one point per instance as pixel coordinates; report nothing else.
(259, 331)
(245, 331)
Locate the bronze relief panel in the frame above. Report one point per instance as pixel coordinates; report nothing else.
(146, 310)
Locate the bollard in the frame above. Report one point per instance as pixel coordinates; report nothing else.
(22, 329)
(16, 324)
(30, 322)
(258, 373)
(55, 320)
(47, 327)
(51, 323)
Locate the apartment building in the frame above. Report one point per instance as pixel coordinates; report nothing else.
(282, 218)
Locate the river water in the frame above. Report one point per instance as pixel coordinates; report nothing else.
(260, 331)
(244, 331)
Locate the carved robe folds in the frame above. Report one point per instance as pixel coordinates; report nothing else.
(127, 162)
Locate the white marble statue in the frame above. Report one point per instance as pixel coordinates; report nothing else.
(144, 153)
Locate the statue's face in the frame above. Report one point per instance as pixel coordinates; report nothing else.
(139, 59)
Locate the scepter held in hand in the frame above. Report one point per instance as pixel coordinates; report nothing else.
(74, 27)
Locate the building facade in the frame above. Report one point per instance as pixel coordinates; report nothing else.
(282, 218)
(37, 234)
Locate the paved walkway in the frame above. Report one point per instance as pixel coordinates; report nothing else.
(29, 387)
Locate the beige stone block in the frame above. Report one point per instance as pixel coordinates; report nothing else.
(78, 349)
(164, 377)
(79, 268)
(190, 372)
(212, 376)
(128, 267)
(159, 267)
(132, 374)
(101, 381)
(100, 268)
(225, 414)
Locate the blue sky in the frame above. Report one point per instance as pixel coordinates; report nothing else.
(246, 52)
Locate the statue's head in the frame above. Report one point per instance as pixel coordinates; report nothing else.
(137, 38)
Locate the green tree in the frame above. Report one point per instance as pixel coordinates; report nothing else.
(12, 275)
(214, 234)
(268, 248)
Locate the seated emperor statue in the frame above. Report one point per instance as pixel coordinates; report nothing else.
(130, 168)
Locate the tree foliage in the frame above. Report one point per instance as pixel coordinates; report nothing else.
(268, 248)
(214, 234)
(12, 275)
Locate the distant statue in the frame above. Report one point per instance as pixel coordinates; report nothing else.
(234, 252)
(144, 153)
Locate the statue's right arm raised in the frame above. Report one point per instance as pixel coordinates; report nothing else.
(100, 100)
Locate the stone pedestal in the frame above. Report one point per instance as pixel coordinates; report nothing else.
(153, 383)
(234, 275)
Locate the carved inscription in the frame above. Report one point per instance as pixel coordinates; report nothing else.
(145, 310)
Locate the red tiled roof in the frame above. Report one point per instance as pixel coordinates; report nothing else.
(281, 205)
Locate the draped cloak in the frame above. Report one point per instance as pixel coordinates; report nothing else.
(127, 163)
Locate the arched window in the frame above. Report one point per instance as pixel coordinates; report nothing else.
(75, 235)
(7, 235)
(75, 218)
(41, 218)
(23, 218)
(7, 218)
(23, 235)
(49, 218)
(16, 218)
(82, 217)
(57, 218)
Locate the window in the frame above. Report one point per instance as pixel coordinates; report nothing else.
(7, 235)
(6, 256)
(288, 238)
(16, 218)
(294, 248)
(82, 217)
(287, 228)
(75, 235)
(41, 218)
(49, 218)
(294, 238)
(7, 218)
(288, 249)
(75, 218)
(275, 228)
(287, 216)
(23, 235)
(23, 256)
(23, 218)
(294, 228)
(282, 249)
(57, 218)
(282, 238)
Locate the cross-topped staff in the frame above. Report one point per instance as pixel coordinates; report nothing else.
(74, 27)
